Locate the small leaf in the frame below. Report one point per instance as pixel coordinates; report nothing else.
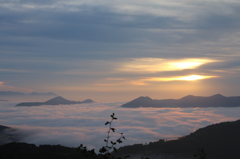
(113, 129)
(114, 149)
(119, 141)
(107, 123)
(112, 116)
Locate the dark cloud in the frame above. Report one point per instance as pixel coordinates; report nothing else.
(101, 24)
(221, 21)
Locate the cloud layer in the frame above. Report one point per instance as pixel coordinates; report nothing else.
(71, 125)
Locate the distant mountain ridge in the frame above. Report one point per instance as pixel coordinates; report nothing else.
(216, 100)
(55, 101)
(14, 94)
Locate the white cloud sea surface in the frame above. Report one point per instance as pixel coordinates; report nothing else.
(72, 125)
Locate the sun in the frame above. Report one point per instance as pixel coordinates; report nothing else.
(186, 65)
(192, 78)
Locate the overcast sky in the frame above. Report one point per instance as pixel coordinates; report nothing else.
(118, 50)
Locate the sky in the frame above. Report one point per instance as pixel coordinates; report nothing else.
(119, 50)
(72, 125)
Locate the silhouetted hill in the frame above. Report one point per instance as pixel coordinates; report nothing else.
(3, 100)
(217, 100)
(220, 141)
(55, 101)
(31, 151)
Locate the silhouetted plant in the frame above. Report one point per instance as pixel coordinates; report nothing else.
(110, 144)
(106, 151)
(201, 154)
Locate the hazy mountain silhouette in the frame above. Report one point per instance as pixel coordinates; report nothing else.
(10, 93)
(8, 134)
(3, 138)
(55, 101)
(220, 141)
(2, 128)
(42, 94)
(3, 100)
(217, 100)
(14, 94)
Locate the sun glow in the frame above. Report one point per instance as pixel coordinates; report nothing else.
(186, 65)
(151, 65)
(193, 77)
(177, 78)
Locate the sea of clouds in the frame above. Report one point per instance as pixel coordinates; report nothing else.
(72, 125)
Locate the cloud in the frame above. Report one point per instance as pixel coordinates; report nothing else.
(146, 70)
(71, 125)
(112, 22)
(152, 65)
(79, 44)
(177, 78)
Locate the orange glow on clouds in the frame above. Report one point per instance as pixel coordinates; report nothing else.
(181, 78)
(168, 79)
(143, 82)
(193, 77)
(151, 65)
(186, 65)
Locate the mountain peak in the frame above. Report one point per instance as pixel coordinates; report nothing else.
(218, 96)
(143, 98)
(138, 102)
(188, 97)
(57, 99)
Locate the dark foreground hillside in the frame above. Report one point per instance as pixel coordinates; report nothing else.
(31, 151)
(219, 141)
